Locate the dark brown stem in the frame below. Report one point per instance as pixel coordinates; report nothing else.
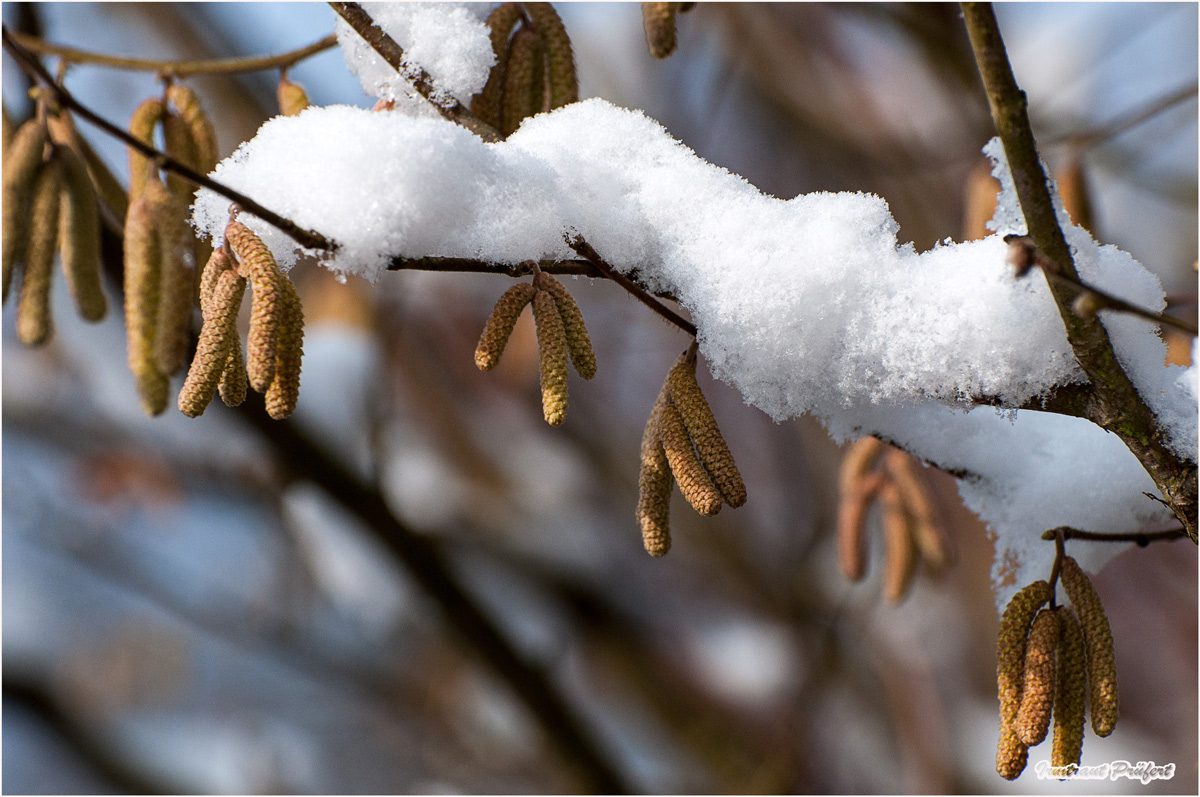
(1117, 407)
(31, 66)
(393, 54)
(584, 250)
(1140, 538)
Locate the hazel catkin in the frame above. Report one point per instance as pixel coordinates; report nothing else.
(654, 484)
(501, 21)
(1069, 692)
(900, 554)
(284, 390)
(257, 266)
(217, 335)
(203, 133)
(523, 81)
(33, 308)
(579, 343)
(22, 162)
(1037, 687)
(142, 260)
(1098, 646)
(142, 125)
(704, 433)
(689, 472)
(552, 357)
(560, 59)
(500, 324)
(1010, 646)
(659, 21)
(79, 237)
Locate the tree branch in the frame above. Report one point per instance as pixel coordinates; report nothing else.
(1117, 406)
(393, 55)
(29, 63)
(179, 69)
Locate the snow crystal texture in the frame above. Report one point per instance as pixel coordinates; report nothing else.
(805, 305)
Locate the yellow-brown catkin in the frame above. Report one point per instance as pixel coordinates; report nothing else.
(1037, 687)
(654, 484)
(233, 380)
(111, 193)
(552, 357)
(524, 72)
(1010, 646)
(702, 429)
(853, 506)
(142, 260)
(928, 533)
(900, 553)
(857, 487)
(218, 334)
(659, 21)
(33, 309)
(219, 261)
(292, 97)
(1011, 754)
(486, 104)
(79, 237)
(579, 343)
(176, 279)
(1098, 644)
(267, 307)
(500, 323)
(285, 387)
(689, 472)
(142, 124)
(204, 134)
(1070, 687)
(22, 161)
(178, 143)
(564, 86)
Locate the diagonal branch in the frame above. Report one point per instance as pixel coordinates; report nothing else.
(392, 53)
(1117, 407)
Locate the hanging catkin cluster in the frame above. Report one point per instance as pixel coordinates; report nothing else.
(535, 66)
(683, 444)
(160, 250)
(561, 334)
(274, 346)
(1046, 658)
(873, 470)
(49, 206)
(659, 22)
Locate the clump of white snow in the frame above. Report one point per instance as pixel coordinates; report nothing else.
(447, 40)
(805, 305)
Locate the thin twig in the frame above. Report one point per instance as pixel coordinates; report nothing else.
(1140, 538)
(584, 250)
(1103, 299)
(1101, 133)
(212, 66)
(1118, 407)
(29, 63)
(393, 54)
